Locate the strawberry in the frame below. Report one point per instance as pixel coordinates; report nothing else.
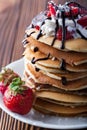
(18, 97)
(48, 14)
(6, 77)
(52, 10)
(83, 21)
(37, 27)
(3, 87)
(68, 34)
(74, 11)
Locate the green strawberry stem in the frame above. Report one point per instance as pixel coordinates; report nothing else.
(17, 85)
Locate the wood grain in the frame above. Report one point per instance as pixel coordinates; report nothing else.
(15, 16)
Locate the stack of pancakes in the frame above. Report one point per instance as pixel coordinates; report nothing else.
(57, 76)
(60, 88)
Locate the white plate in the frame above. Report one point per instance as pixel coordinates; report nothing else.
(38, 119)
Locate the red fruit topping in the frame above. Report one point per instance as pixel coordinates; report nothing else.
(6, 77)
(83, 11)
(75, 10)
(83, 21)
(37, 27)
(68, 34)
(2, 87)
(51, 9)
(48, 14)
(18, 98)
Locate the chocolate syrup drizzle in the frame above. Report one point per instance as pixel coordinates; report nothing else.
(64, 80)
(40, 32)
(36, 49)
(63, 29)
(33, 61)
(37, 69)
(25, 42)
(28, 35)
(63, 65)
(83, 37)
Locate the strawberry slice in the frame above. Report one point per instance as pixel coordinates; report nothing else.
(18, 97)
(48, 14)
(3, 87)
(68, 34)
(52, 10)
(75, 11)
(6, 77)
(37, 27)
(83, 21)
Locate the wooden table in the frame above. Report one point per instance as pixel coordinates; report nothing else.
(15, 16)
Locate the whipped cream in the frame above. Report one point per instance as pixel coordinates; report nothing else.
(49, 27)
(56, 19)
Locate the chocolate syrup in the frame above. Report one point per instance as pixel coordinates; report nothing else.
(40, 32)
(25, 41)
(36, 49)
(83, 37)
(28, 35)
(75, 3)
(64, 81)
(63, 29)
(72, 17)
(33, 61)
(63, 65)
(53, 41)
(37, 69)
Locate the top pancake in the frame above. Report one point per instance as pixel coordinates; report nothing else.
(71, 57)
(77, 45)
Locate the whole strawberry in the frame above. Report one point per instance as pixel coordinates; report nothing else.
(6, 77)
(18, 97)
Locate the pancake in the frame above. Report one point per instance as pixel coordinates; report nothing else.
(69, 98)
(48, 88)
(71, 57)
(39, 77)
(29, 54)
(77, 45)
(63, 103)
(47, 112)
(60, 109)
(56, 73)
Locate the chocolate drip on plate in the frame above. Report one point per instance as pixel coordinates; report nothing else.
(33, 61)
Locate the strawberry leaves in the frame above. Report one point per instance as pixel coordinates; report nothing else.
(17, 85)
